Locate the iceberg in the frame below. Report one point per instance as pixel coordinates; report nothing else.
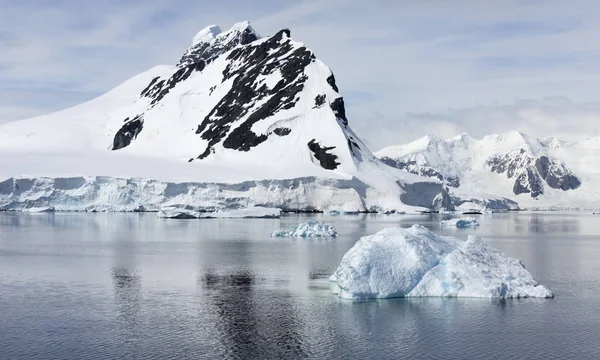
(415, 262)
(310, 228)
(460, 223)
(41, 209)
(256, 212)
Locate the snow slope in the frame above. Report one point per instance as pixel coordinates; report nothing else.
(415, 262)
(236, 108)
(538, 174)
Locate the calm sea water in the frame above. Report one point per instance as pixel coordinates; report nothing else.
(112, 286)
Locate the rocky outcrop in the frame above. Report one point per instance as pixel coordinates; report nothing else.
(531, 173)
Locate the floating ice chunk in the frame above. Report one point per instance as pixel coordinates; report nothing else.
(256, 212)
(178, 213)
(415, 262)
(460, 223)
(41, 209)
(341, 212)
(310, 228)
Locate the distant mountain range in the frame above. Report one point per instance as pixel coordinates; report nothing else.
(548, 174)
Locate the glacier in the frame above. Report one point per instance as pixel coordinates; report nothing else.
(310, 228)
(460, 223)
(415, 262)
(105, 193)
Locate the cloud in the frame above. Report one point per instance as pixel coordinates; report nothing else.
(400, 64)
(543, 118)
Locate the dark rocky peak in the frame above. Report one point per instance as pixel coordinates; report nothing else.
(211, 42)
(532, 172)
(249, 97)
(208, 44)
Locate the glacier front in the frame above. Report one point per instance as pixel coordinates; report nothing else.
(415, 262)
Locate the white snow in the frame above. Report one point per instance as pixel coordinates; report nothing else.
(460, 223)
(310, 228)
(256, 212)
(207, 35)
(415, 262)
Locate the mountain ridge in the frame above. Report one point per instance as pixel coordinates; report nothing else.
(236, 108)
(538, 173)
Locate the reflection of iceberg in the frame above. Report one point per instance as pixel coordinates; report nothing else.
(460, 223)
(248, 213)
(415, 262)
(310, 228)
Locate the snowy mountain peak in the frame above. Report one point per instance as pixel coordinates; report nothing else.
(207, 35)
(236, 109)
(212, 41)
(256, 91)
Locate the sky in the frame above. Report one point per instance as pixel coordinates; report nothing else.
(406, 68)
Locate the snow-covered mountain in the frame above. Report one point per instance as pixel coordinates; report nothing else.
(536, 173)
(241, 120)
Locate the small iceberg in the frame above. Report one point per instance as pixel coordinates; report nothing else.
(415, 262)
(178, 213)
(41, 209)
(460, 223)
(310, 228)
(256, 212)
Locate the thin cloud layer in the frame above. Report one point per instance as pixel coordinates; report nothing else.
(400, 65)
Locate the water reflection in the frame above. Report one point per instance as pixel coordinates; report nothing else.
(111, 286)
(250, 326)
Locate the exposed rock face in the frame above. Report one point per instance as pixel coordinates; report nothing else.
(208, 45)
(246, 65)
(531, 173)
(128, 132)
(414, 168)
(327, 160)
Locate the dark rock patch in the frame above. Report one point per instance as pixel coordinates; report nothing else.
(327, 161)
(128, 132)
(529, 182)
(282, 131)
(339, 110)
(331, 82)
(319, 100)
(160, 90)
(145, 91)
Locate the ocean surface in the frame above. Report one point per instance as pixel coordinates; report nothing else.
(133, 286)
